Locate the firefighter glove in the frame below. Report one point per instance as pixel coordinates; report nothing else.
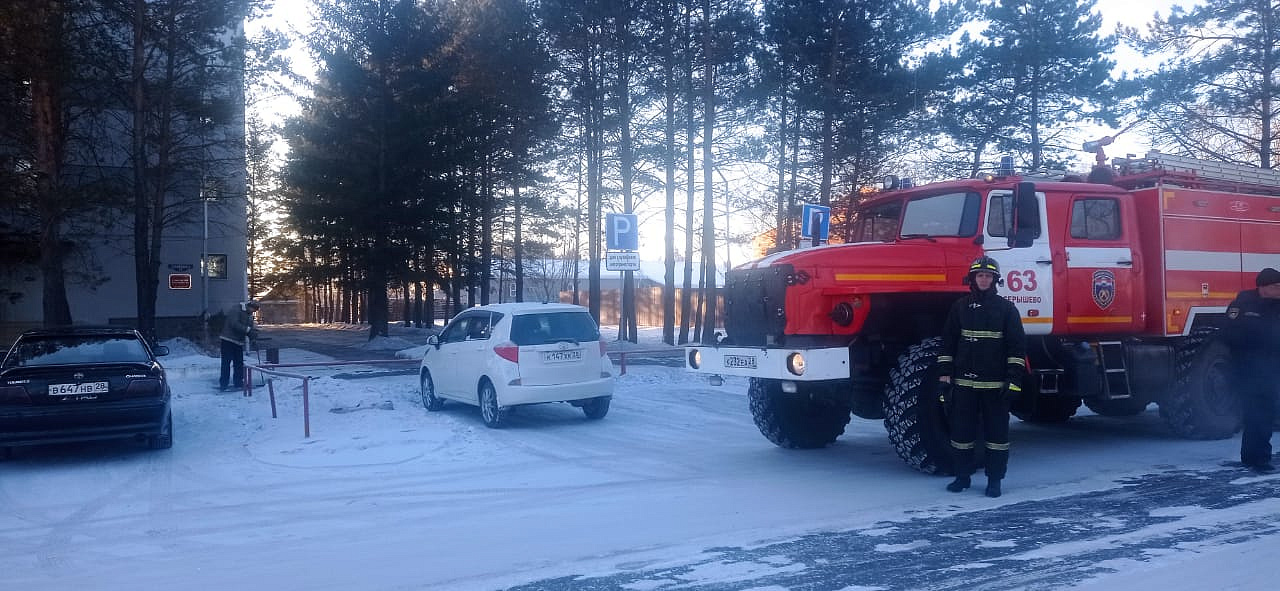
(1012, 392)
(944, 392)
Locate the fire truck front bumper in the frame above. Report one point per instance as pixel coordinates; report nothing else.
(779, 364)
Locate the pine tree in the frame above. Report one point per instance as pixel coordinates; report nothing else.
(1216, 97)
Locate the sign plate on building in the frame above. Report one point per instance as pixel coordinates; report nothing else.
(179, 281)
(622, 260)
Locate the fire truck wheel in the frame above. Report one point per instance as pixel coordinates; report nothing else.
(1124, 407)
(808, 419)
(1202, 404)
(1048, 409)
(913, 416)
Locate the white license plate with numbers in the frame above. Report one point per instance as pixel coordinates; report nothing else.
(73, 389)
(554, 356)
(740, 361)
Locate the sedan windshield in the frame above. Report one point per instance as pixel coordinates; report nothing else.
(949, 214)
(64, 350)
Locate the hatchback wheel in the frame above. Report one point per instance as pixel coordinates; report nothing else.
(596, 408)
(427, 388)
(492, 414)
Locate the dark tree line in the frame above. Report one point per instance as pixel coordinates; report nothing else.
(445, 141)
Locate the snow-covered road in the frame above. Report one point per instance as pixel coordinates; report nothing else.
(675, 489)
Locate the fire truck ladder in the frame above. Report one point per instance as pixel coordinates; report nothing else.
(1204, 170)
(1115, 374)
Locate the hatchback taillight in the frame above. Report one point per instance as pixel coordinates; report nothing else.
(508, 351)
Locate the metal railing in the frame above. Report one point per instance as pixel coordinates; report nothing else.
(271, 369)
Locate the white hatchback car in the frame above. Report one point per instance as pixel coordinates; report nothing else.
(504, 355)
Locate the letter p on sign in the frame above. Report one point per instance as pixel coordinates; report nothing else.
(621, 232)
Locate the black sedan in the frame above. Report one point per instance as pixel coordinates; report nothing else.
(79, 384)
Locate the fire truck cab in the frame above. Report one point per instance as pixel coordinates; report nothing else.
(1119, 285)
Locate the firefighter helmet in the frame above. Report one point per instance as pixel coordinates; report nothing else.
(986, 264)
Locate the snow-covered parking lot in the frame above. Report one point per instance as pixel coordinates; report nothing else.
(675, 489)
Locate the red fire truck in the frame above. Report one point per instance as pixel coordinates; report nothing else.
(1120, 285)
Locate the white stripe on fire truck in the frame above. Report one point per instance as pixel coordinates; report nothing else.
(1257, 261)
(1095, 256)
(1202, 260)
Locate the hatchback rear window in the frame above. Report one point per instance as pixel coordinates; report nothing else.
(76, 349)
(540, 329)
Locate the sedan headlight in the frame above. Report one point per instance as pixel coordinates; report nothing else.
(795, 363)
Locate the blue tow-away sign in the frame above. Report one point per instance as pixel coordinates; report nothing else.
(815, 217)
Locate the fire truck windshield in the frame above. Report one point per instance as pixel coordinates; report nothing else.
(949, 214)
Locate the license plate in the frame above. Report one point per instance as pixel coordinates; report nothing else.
(740, 361)
(570, 355)
(73, 389)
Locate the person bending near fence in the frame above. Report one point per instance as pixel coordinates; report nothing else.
(236, 330)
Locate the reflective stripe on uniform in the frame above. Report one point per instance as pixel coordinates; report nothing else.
(1016, 361)
(948, 358)
(958, 445)
(1015, 387)
(981, 334)
(997, 446)
(979, 385)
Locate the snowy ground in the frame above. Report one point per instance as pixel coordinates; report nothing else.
(675, 489)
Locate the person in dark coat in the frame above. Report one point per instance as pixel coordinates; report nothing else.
(982, 365)
(1252, 333)
(237, 327)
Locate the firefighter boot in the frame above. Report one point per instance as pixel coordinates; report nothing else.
(993, 488)
(959, 484)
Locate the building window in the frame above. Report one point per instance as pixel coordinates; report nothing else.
(217, 266)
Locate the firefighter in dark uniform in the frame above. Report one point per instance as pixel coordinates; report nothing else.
(982, 365)
(1252, 333)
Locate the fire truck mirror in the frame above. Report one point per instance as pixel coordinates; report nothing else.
(1026, 216)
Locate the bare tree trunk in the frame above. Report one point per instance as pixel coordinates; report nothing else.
(708, 166)
(518, 246)
(779, 237)
(486, 229)
(686, 297)
(669, 163)
(141, 215)
(595, 135)
(46, 114)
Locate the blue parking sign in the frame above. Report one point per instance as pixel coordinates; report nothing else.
(621, 231)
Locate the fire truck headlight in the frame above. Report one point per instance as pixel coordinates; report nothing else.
(795, 363)
(695, 359)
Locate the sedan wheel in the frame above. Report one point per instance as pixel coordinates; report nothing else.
(492, 414)
(427, 388)
(163, 440)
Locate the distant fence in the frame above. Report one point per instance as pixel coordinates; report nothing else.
(648, 305)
